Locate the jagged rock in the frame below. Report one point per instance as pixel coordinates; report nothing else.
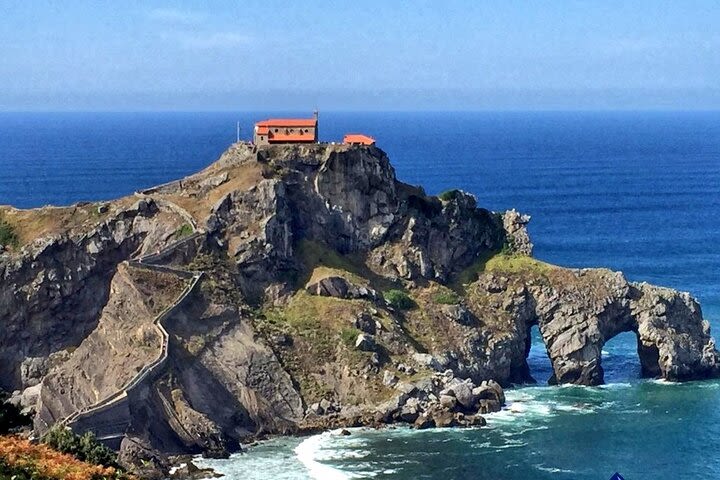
(138, 457)
(33, 369)
(475, 420)
(326, 406)
(448, 401)
(365, 323)
(190, 471)
(517, 235)
(444, 419)
(365, 342)
(575, 325)
(406, 369)
(427, 360)
(389, 378)
(459, 314)
(406, 388)
(410, 411)
(424, 421)
(463, 392)
(340, 287)
(28, 399)
(490, 390)
(488, 406)
(282, 340)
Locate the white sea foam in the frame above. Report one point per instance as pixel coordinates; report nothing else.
(553, 469)
(310, 451)
(662, 381)
(614, 386)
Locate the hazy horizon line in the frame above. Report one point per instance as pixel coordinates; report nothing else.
(380, 110)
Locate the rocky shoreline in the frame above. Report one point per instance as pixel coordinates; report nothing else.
(300, 288)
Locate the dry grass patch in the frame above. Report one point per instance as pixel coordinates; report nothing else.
(159, 289)
(198, 204)
(31, 224)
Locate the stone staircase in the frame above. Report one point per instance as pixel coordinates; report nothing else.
(110, 417)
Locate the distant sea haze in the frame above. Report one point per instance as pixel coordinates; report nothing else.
(637, 192)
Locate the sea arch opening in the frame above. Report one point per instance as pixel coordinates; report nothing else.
(539, 364)
(620, 358)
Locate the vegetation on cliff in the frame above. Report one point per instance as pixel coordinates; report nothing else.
(11, 418)
(8, 237)
(22, 460)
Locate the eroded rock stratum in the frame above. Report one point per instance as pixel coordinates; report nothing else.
(296, 287)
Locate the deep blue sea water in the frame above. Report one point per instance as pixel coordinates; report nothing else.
(637, 192)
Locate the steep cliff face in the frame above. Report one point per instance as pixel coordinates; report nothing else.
(52, 294)
(125, 336)
(330, 294)
(348, 200)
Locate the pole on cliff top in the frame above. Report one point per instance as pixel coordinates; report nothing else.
(238, 132)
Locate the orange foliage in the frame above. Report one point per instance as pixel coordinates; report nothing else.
(18, 453)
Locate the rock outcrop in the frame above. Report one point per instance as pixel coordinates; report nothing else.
(322, 288)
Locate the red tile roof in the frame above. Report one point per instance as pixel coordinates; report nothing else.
(287, 122)
(358, 138)
(263, 130)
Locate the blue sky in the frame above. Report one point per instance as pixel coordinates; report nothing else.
(347, 55)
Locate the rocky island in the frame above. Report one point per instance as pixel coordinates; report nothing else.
(293, 288)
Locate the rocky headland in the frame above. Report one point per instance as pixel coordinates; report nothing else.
(289, 289)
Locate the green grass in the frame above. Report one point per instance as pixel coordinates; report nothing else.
(503, 261)
(399, 299)
(8, 236)
(313, 254)
(318, 326)
(471, 273)
(446, 297)
(517, 264)
(349, 335)
(185, 230)
(448, 195)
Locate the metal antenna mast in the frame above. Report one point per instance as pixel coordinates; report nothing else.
(238, 132)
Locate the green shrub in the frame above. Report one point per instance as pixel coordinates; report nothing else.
(448, 195)
(349, 335)
(508, 247)
(84, 447)
(446, 297)
(10, 416)
(185, 230)
(8, 237)
(399, 299)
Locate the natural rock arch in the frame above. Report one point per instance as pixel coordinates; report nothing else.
(577, 316)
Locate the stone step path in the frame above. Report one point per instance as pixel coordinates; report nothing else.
(109, 418)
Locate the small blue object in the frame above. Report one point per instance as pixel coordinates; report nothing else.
(617, 476)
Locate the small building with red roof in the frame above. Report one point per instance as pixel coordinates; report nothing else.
(358, 139)
(286, 130)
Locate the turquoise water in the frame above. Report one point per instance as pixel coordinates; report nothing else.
(638, 192)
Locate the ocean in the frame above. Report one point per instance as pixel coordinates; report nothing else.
(637, 192)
